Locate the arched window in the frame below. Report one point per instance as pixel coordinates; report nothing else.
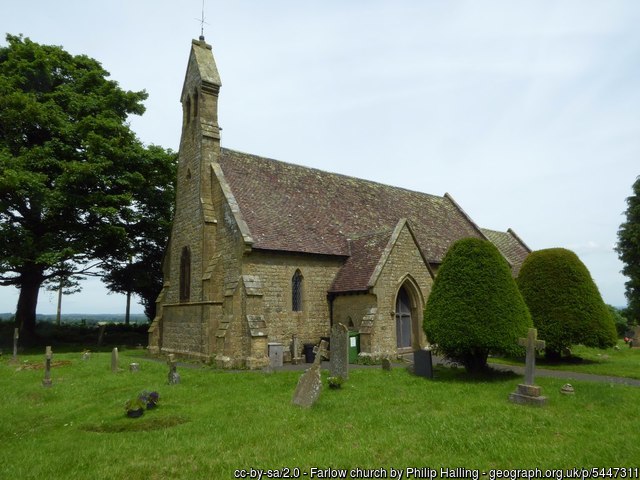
(195, 104)
(296, 292)
(185, 274)
(187, 110)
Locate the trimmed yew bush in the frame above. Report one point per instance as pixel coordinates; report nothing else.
(475, 308)
(565, 304)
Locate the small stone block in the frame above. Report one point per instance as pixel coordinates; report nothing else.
(134, 367)
(529, 390)
(567, 389)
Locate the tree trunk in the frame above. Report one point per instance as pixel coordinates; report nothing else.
(128, 312)
(30, 282)
(59, 309)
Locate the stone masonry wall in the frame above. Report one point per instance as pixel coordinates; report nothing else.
(405, 266)
(276, 271)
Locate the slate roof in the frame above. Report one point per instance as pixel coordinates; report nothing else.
(366, 252)
(299, 209)
(510, 245)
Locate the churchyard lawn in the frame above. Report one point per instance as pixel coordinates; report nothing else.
(618, 362)
(214, 422)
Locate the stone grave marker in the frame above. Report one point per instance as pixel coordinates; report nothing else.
(386, 364)
(423, 363)
(134, 367)
(310, 384)
(174, 376)
(528, 393)
(86, 355)
(46, 381)
(339, 353)
(114, 360)
(295, 350)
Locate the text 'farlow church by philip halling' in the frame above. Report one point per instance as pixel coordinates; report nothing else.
(266, 252)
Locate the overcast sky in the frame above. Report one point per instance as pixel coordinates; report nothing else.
(526, 112)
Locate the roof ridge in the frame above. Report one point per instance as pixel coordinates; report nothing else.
(334, 174)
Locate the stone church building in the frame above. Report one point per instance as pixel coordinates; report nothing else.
(263, 251)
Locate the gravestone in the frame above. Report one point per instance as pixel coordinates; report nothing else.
(174, 376)
(16, 335)
(134, 367)
(386, 364)
(295, 350)
(423, 363)
(46, 381)
(114, 360)
(310, 384)
(86, 355)
(339, 353)
(528, 393)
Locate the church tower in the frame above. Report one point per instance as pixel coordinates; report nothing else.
(199, 148)
(193, 232)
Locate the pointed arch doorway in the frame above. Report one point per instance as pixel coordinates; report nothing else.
(408, 308)
(403, 319)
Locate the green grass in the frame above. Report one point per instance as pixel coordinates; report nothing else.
(215, 421)
(624, 362)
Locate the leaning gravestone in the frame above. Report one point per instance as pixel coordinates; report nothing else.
(528, 393)
(310, 383)
(46, 381)
(114, 360)
(339, 353)
(174, 376)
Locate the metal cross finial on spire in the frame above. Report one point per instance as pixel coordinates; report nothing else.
(202, 23)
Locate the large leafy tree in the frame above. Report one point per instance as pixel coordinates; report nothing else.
(147, 233)
(628, 249)
(475, 308)
(69, 166)
(564, 302)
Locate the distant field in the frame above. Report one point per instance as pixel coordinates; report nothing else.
(89, 318)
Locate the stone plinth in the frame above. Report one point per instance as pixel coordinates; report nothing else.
(528, 395)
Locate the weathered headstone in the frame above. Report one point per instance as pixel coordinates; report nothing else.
(339, 353)
(16, 335)
(295, 350)
(310, 383)
(114, 360)
(174, 376)
(134, 367)
(86, 355)
(527, 392)
(46, 381)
